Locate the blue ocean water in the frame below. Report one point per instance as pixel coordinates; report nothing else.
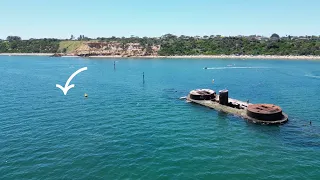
(127, 129)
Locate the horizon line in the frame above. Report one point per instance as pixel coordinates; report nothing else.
(134, 36)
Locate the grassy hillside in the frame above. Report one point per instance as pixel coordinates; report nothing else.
(69, 46)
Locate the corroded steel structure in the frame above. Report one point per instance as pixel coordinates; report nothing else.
(256, 113)
(202, 94)
(267, 112)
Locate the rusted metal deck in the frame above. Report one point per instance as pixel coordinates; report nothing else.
(240, 111)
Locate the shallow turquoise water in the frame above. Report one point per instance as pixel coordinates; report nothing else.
(130, 130)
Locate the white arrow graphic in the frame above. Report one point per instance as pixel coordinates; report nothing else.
(66, 87)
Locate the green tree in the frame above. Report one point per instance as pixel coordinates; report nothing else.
(275, 37)
(13, 38)
(149, 50)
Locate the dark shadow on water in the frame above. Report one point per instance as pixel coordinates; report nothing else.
(173, 94)
(300, 133)
(223, 118)
(222, 115)
(296, 132)
(270, 130)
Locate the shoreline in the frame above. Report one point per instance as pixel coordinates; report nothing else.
(180, 57)
(26, 54)
(218, 57)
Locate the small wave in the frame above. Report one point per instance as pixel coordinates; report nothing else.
(312, 76)
(219, 68)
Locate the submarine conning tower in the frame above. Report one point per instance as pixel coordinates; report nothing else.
(265, 112)
(223, 97)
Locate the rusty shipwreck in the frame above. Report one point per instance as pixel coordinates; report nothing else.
(267, 114)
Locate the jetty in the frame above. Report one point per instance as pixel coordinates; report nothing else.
(267, 114)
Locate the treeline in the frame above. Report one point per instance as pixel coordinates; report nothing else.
(185, 45)
(254, 45)
(14, 44)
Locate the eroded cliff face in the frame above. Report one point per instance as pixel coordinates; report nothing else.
(116, 49)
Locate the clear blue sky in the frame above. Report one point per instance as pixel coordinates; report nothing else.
(105, 18)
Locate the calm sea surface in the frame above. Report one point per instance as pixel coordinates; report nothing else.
(129, 130)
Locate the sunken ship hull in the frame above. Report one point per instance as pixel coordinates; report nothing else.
(267, 114)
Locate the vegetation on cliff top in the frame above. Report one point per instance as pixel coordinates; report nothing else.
(252, 45)
(14, 44)
(69, 46)
(182, 45)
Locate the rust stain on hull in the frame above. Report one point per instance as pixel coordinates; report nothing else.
(267, 114)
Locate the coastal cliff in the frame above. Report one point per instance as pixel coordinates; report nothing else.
(115, 49)
(168, 45)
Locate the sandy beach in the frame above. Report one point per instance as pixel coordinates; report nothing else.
(266, 57)
(220, 57)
